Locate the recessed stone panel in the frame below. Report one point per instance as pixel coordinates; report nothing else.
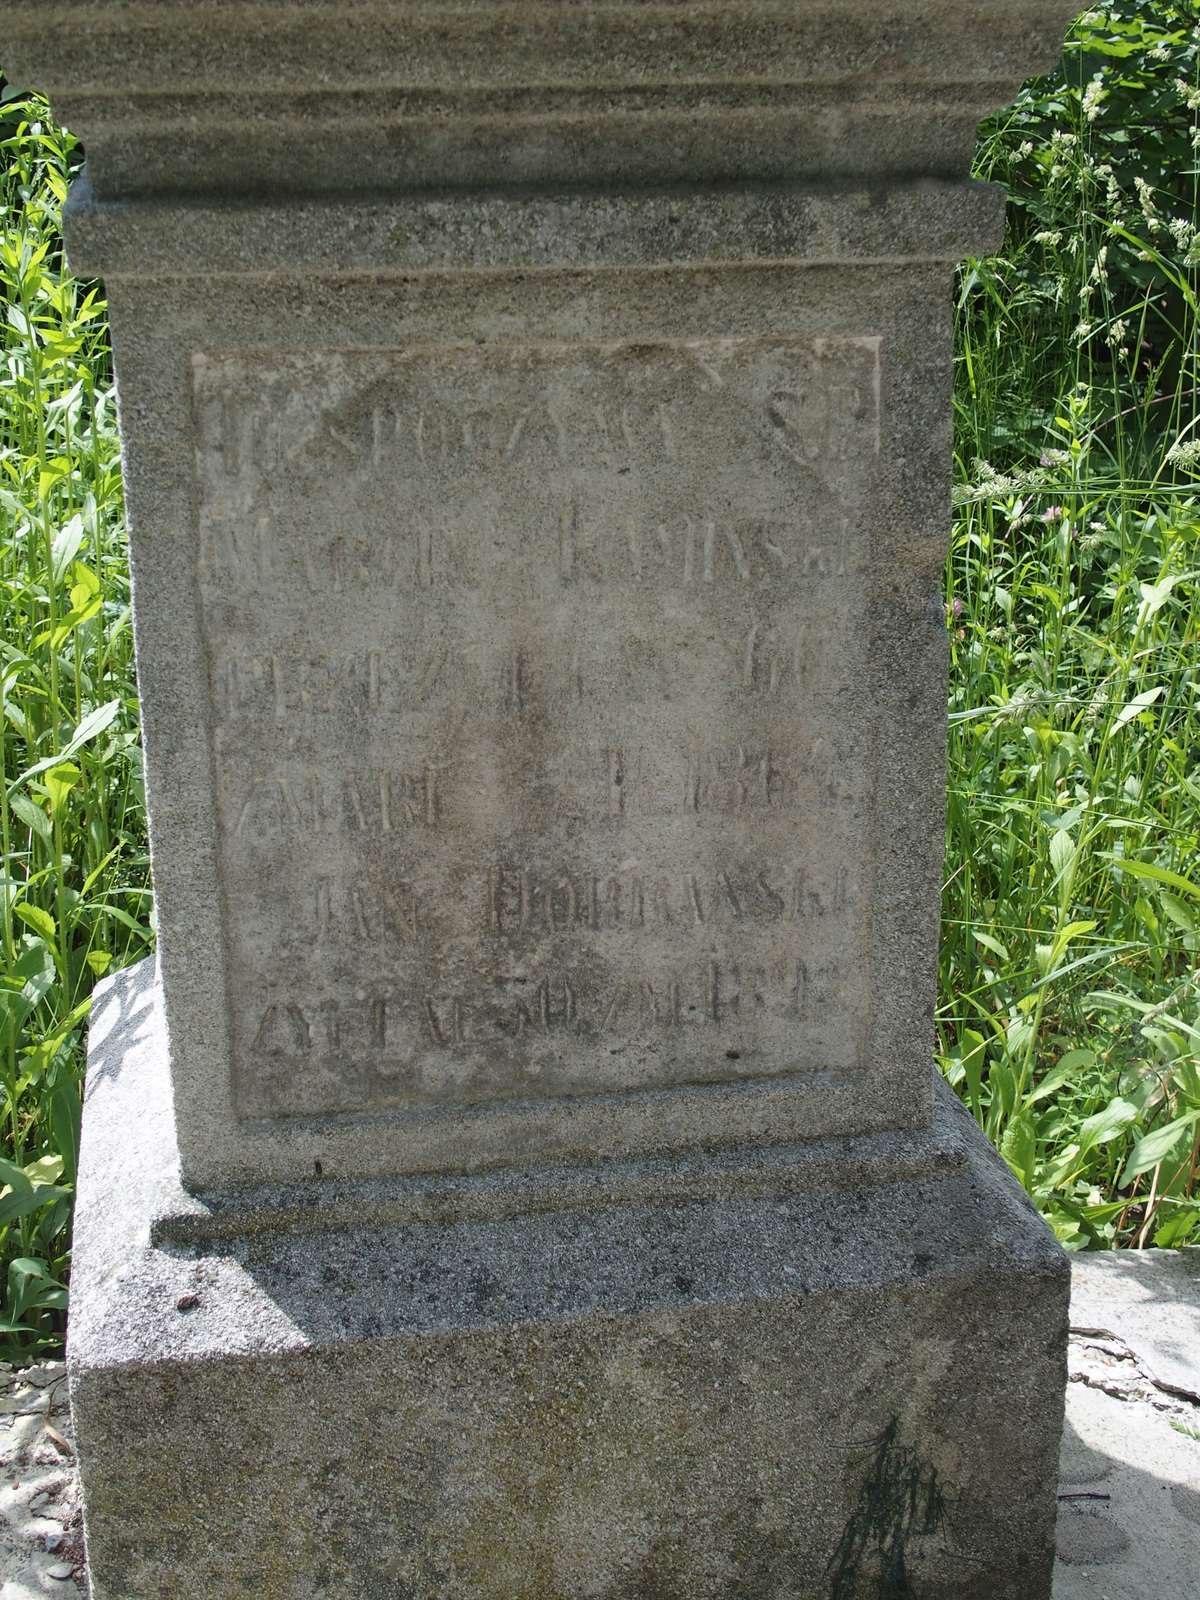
(540, 765)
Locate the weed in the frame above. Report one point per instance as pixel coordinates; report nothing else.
(1070, 989)
(74, 896)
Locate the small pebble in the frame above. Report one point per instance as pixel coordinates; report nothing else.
(53, 1540)
(60, 1569)
(187, 1302)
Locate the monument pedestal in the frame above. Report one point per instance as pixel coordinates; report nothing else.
(536, 428)
(693, 1379)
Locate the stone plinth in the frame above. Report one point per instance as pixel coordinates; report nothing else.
(499, 1389)
(536, 425)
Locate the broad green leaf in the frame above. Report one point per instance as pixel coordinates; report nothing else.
(59, 782)
(40, 920)
(1062, 851)
(1177, 1230)
(1139, 703)
(93, 724)
(1073, 930)
(14, 1177)
(989, 942)
(32, 815)
(32, 1287)
(1106, 1124)
(66, 1114)
(28, 980)
(65, 547)
(1157, 1145)
(972, 1051)
(75, 618)
(1154, 597)
(1066, 1071)
(46, 1169)
(17, 1203)
(85, 586)
(1018, 1146)
(1146, 869)
(1178, 912)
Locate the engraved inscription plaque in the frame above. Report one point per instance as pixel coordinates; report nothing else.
(533, 672)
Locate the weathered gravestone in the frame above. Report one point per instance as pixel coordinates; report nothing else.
(524, 1177)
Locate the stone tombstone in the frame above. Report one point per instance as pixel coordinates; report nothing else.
(523, 1176)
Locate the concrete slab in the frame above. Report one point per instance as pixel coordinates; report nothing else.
(1150, 1300)
(1129, 1491)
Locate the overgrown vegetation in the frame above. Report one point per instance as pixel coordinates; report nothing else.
(74, 897)
(1070, 984)
(1070, 980)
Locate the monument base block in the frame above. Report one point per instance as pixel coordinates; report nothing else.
(561, 1387)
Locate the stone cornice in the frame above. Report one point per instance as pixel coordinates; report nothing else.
(249, 96)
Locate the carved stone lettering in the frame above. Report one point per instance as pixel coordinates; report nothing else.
(567, 789)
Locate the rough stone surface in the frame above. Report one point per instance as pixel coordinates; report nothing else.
(595, 817)
(1129, 1470)
(683, 1399)
(528, 1180)
(329, 94)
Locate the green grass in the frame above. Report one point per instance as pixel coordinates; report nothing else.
(1070, 996)
(1069, 1012)
(76, 899)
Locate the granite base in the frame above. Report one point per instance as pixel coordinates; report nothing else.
(768, 1385)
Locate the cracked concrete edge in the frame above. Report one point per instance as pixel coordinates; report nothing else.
(1148, 1301)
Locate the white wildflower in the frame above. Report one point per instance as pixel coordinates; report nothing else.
(1083, 331)
(1094, 96)
(1025, 149)
(1182, 231)
(1146, 200)
(1114, 197)
(1160, 53)
(1118, 332)
(1189, 93)
(1186, 454)
(1050, 237)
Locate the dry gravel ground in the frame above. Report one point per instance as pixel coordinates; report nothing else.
(1129, 1491)
(41, 1524)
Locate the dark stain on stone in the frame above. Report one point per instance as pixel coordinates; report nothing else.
(900, 1502)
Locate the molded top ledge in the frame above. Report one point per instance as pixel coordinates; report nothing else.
(250, 96)
(403, 235)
